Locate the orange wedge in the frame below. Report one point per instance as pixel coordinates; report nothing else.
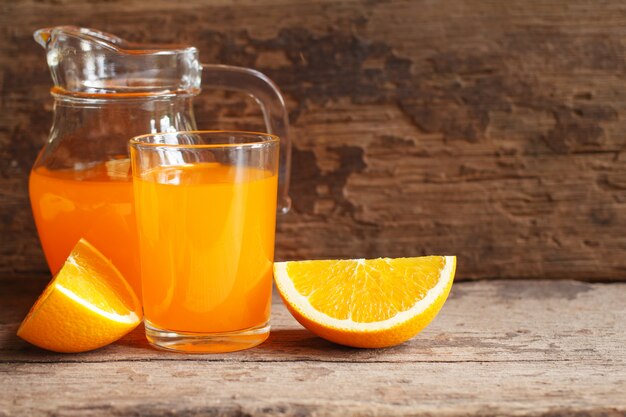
(367, 303)
(87, 305)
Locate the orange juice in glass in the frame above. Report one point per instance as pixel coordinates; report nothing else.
(205, 205)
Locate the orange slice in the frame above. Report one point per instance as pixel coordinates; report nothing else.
(366, 303)
(87, 305)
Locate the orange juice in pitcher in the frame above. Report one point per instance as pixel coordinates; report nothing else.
(95, 204)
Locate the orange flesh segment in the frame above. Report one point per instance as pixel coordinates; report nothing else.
(377, 289)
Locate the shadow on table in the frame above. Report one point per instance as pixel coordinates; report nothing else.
(296, 339)
(281, 341)
(301, 344)
(282, 345)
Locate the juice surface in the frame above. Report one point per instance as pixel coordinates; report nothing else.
(95, 204)
(207, 245)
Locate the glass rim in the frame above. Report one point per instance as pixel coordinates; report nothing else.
(137, 141)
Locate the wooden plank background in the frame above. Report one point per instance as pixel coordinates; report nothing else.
(490, 130)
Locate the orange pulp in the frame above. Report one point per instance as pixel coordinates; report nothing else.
(206, 235)
(95, 204)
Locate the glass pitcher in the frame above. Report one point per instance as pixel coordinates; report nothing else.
(107, 90)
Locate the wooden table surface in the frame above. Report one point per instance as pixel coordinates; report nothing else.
(496, 348)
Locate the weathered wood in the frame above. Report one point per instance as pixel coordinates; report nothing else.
(497, 348)
(491, 130)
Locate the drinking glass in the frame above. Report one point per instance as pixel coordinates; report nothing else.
(205, 205)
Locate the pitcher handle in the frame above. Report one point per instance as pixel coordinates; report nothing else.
(268, 97)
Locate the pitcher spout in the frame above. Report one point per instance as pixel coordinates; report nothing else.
(42, 36)
(83, 60)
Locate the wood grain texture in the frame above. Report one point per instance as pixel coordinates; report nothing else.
(486, 129)
(522, 348)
